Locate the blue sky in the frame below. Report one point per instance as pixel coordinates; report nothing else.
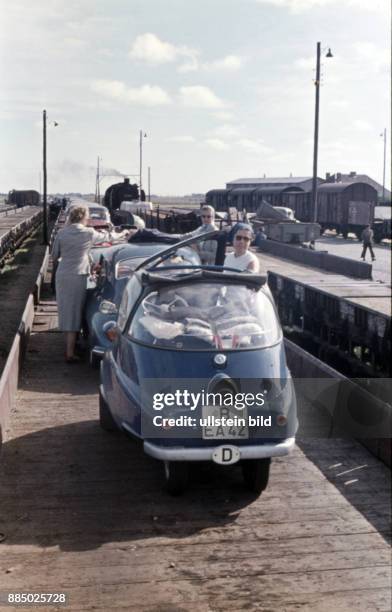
(222, 88)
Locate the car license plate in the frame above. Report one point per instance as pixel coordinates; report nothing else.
(216, 423)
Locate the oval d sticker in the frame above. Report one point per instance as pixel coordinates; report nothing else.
(226, 455)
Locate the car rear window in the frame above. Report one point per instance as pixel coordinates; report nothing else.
(206, 316)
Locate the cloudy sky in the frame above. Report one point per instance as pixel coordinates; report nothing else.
(222, 88)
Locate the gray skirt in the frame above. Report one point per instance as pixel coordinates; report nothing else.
(71, 292)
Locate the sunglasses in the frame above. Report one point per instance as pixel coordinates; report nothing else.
(246, 238)
(206, 216)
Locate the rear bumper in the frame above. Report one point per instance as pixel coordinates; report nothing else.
(259, 451)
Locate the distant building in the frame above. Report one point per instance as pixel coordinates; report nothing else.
(303, 182)
(353, 177)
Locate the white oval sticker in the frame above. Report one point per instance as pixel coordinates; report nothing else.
(226, 455)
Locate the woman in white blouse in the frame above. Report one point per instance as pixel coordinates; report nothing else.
(242, 259)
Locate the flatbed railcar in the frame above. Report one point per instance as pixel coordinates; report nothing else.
(345, 325)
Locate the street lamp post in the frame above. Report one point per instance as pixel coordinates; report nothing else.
(45, 238)
(45, 203)
(141, 136)
(316, 130)
(383, 170)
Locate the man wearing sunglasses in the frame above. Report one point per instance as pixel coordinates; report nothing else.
(242, 259)
(207, 248)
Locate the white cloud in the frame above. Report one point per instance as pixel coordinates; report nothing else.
(298, 6)
(223, 115)
(198, 96)
(150, 95)
(254, 146)
(151, 49)
(229, 63)
(227, 131)
(217, 144)
(180, 139)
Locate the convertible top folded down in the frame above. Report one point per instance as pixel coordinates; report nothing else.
(195, 275)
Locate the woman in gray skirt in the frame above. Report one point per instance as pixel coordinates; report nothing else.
(72, 247)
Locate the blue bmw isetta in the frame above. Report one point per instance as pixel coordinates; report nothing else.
(197, 369)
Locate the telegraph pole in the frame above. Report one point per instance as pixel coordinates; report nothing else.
(383, 173)
(316, 133)
(140, 162)
(45, 203)
(149, 184)
(97, 180)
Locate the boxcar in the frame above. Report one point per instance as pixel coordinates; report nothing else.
(20, 198)
(218, 199)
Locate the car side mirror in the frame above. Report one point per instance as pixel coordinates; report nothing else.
(111, 330)
(107, 307)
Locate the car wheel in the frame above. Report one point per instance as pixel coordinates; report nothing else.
(106, 420)
(176, 476)
(256, 473)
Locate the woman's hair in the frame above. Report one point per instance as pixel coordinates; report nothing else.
(244, 227)
(209, 208)
(77, 214)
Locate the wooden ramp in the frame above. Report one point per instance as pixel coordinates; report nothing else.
(83, 512)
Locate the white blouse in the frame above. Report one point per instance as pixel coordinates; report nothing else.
(242, 262)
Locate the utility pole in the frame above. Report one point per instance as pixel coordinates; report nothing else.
(149, 184)
(45, 203)
(316, 133)
(141, 136)
(140, 162)
(316, 129)
(97, 180)
(383, 172)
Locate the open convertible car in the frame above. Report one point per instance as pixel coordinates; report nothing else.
(117, 263)
(197, 368)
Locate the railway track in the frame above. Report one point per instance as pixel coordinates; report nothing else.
(15, 226)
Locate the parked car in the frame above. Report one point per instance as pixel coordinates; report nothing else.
(116, 265)
(184, 329)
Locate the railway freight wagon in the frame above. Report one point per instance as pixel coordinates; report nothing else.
(218, 199)
(344, 207)
(21, 198)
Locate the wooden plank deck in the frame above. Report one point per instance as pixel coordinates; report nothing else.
(83, 511)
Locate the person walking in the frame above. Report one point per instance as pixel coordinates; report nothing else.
(71, 259)
(242, 259)
(367, 242)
